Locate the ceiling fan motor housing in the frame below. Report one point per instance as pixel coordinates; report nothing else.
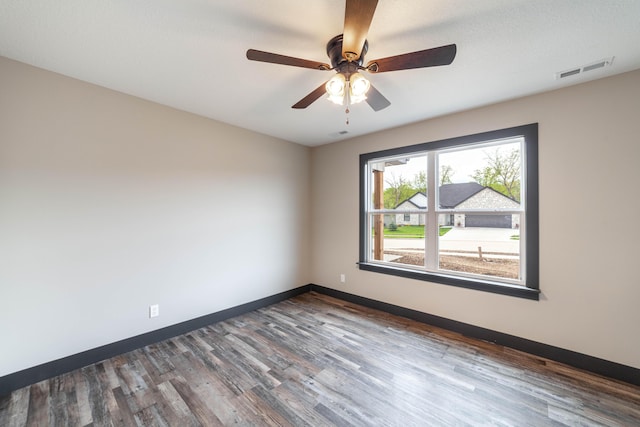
(340, 63)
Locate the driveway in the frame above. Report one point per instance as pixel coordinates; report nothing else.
(462, 241)
(489, 239)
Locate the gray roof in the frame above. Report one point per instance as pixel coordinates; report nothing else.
(451, 195)
(419, 200)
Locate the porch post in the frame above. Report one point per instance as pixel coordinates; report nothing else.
(378, 223)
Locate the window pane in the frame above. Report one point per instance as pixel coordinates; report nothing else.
(487, 251)
(403, 181)
(376, 240)
(398, 243)
(486, 177)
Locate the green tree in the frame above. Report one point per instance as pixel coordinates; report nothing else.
(446, 172)
(398, 189)
(502, 172)
(420, 182)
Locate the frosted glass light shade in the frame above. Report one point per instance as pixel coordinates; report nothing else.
(359, 85)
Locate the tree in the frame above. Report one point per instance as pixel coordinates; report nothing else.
(446, 172)
(420, 182)
(502, 172)
(398, 189)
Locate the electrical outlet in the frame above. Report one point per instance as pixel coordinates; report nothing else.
(343, 278)
(154, 310)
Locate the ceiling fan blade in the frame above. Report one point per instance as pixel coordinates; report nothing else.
(311, 98)
(274, 58)
(442, 55)
(357, 19)
(376, 100)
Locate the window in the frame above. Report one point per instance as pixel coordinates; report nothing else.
(461, 211)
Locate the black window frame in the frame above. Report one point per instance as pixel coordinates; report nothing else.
(531, 289)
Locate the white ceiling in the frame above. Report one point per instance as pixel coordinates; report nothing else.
(190, 54)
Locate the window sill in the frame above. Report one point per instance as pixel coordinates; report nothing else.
(480, 285)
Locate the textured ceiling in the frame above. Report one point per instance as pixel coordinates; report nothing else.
(190, 54)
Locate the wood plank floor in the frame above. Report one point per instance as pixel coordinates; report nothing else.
(314, 360)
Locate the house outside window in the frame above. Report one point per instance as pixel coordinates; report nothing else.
(464, 212)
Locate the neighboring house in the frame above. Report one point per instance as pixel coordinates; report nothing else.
(470, 195)
(417, 201)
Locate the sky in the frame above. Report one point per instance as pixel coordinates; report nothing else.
(463, 162)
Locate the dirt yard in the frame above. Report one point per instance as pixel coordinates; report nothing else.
(506, 268)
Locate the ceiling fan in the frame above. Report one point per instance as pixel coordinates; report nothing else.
(346, 52)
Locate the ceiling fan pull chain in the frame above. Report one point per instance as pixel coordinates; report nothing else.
(347, 101)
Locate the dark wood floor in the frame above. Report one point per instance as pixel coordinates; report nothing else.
(314, 360)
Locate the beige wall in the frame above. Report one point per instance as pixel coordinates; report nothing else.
(109, 204)
(589, 205)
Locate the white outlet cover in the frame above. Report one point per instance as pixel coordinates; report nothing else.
(154, 310)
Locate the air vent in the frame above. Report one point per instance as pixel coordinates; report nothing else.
(339, 133)
(590, 67)
(569, 73)
(594, 66)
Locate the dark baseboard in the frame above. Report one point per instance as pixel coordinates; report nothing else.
(47, 370)
(592, 364)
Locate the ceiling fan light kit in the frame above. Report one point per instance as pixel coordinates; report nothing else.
(347, 51)
(347, 89)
